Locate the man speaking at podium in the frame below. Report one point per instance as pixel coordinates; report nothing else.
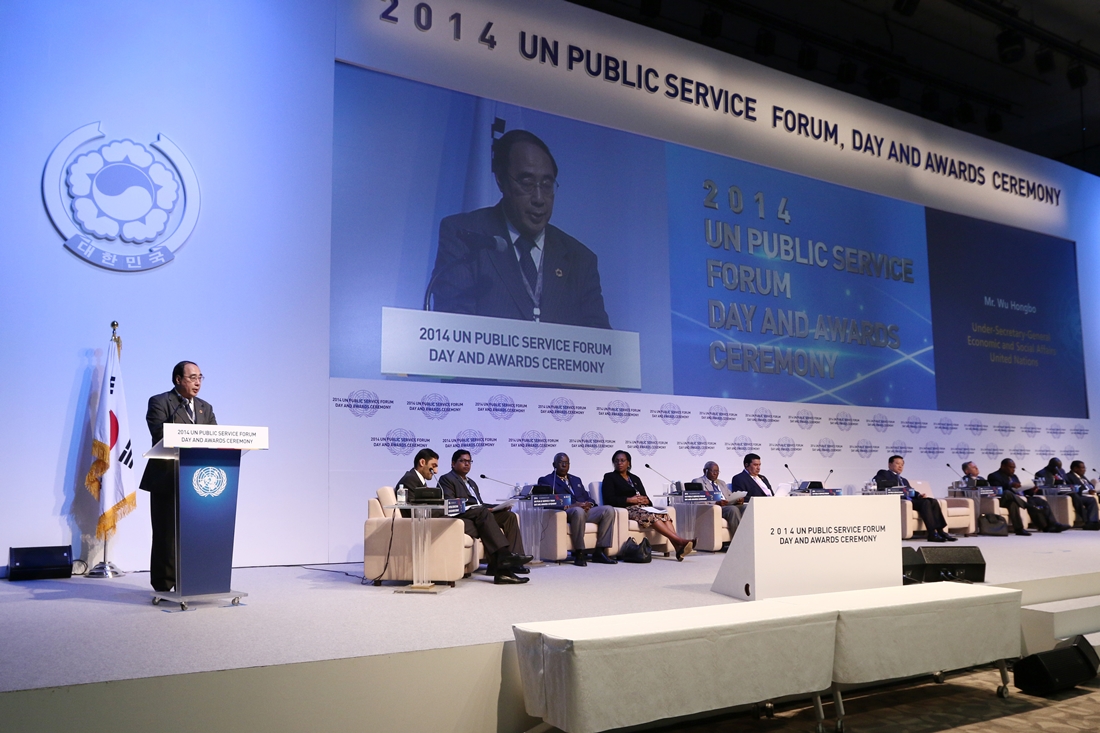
(507, 261)
(927, 508)
(178, 405)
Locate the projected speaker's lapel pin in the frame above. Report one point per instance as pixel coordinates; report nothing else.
(559, 273)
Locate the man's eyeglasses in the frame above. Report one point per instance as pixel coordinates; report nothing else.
(194, 378)
(548, 186)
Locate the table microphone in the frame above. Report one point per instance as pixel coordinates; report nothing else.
(503, 483)
(826, 478)
(796, 481)
(666, 478)
(956, 472)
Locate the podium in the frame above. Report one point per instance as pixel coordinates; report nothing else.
(208, 462)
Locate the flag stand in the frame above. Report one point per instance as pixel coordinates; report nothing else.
(105, 568)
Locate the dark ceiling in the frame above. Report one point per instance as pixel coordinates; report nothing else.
(1026, 74)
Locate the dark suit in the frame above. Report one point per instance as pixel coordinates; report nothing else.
(616, 490)
(577, 517)
(1012, 498)
(159, 480)
(744, 482)
(411, 480)
(476, 272)
(497, 530)
(927, 509)
(1083, 503)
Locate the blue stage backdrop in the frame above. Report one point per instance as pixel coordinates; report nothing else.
(741, 281)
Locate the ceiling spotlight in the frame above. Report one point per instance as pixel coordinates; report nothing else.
(1044, 60)
(1010, 46)
(993, 123)
(930, 101)
(711, 27)
(964, 113)
(650, 8)
(765, 42)
(1077, 76)
(807, 57)
(846, 71)
(906, 7)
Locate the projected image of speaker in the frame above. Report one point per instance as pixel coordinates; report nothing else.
(932, 564)
(39, 563)
(1067, 665)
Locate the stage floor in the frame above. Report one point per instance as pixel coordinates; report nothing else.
(67, 632)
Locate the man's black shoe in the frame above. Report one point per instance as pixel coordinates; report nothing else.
(1022, 533)
(579, 559)
(521, 570)
(947, 536)
(936, 538)
(505, 578)
(511, 560)
(600, 556)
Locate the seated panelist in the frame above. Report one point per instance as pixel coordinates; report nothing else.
(723, 497)
(1013, 497)
(751, 481)
(623, 489)
(1084, 496)
(927, 508)
(498, 530)
(581, 511)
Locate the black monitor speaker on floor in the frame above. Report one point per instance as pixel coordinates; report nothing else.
(1067, 665)
(931, 564)
(38, 563)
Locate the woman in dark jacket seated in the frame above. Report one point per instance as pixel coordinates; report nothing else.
(621, 488)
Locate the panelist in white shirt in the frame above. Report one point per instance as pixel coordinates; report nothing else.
(751, 480)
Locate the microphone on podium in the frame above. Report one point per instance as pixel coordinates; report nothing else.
(791, 473)
(488, 478)
(827, 478)
(955, 471)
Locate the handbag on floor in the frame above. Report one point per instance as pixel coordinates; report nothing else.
(634, 552)
(992, 525)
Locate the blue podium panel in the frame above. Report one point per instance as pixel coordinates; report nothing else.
(206, 516)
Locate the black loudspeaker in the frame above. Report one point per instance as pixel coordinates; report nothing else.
(36, 563)
(1069, 664)
(931, 564)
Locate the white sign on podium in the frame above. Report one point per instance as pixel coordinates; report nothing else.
(816, 544)
(242, 437)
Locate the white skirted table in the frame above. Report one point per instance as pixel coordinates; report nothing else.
(576, 673)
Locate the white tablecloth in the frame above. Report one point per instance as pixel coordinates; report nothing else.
(886, 633)
(587, 675)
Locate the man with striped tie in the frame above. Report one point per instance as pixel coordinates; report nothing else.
(181, 404)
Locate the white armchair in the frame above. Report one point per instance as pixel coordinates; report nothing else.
(452, 555)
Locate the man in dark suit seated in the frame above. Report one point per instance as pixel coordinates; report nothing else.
(927, 508)
(498, 531)
(582, 510)
(1051, 474)
(971, 474)
(425, 465)
(507, 261)
(1013, 497)
(751, 481)
(1084, 496)
(181, 404)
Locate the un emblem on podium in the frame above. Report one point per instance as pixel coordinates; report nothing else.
(209, 481)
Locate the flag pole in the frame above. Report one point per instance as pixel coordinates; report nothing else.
(105, 568)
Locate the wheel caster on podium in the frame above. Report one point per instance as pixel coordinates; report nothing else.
(156, 601)
(183, 605)
(769, 710)
(236, 601)
(1002, 692)
(938, 678)
(840, 726)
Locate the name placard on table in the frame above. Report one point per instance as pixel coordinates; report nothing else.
(239, 437)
